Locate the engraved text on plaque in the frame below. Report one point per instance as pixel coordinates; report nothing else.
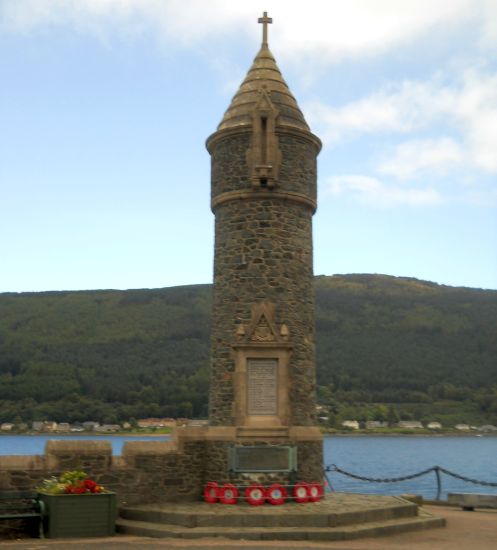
(263, 458)
(262, 388)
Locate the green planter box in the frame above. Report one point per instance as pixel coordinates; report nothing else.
(89, 515)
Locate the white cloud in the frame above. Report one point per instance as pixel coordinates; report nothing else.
(488, 36)
(403, 108)
(338, 30)
(475, 107)
(374, 192)
(335, 29)
(443, 125)
(184, 21)
(467, 110)
(412, 157)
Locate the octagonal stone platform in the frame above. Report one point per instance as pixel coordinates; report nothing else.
(339, 516)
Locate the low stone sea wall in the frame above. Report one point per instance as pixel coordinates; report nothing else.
(146, 470)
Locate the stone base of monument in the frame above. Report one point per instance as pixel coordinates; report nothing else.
(339, 516)
(244, 454)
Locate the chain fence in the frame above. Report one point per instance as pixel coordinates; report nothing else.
(438, 470)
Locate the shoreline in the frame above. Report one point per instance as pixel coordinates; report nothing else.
(324, 433)
(88, 434)
(422, 434)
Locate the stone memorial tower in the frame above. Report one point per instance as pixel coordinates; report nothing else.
(262, 388)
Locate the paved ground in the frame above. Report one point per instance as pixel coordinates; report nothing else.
(465, 531)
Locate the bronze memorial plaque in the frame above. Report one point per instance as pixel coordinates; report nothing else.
(262, 387)
(263, 459)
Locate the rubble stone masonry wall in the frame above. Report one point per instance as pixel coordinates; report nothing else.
(149, 471)
(263, 253)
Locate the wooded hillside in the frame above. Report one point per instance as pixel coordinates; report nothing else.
(386, 347)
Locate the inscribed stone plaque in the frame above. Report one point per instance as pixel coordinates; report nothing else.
(263, 459)
(262, 387)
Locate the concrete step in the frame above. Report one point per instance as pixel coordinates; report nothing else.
(333, 511)
(344, 532)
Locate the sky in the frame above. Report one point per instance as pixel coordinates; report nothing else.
(105, 106)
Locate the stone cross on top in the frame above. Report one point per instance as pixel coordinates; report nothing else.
(265, 20)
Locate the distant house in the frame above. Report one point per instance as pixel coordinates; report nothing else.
(89, 425)
(351, 424)
(108, 428)
(434, 426)
(487, 428)
(64, 427)
(156, 423)
(6, 426)
(46, 426)
(462, 427)
(49, 426)
(410, 424)
(375, 424)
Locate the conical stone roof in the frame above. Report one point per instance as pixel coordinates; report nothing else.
(264, 73)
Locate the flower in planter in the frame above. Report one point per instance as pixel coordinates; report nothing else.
(75, 482)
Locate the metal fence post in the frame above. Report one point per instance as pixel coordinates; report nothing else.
(439, 482)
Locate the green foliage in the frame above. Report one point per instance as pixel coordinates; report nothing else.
(417, 346)
(73, 477)
(387, 348)
(51, 486)
(104, 355)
